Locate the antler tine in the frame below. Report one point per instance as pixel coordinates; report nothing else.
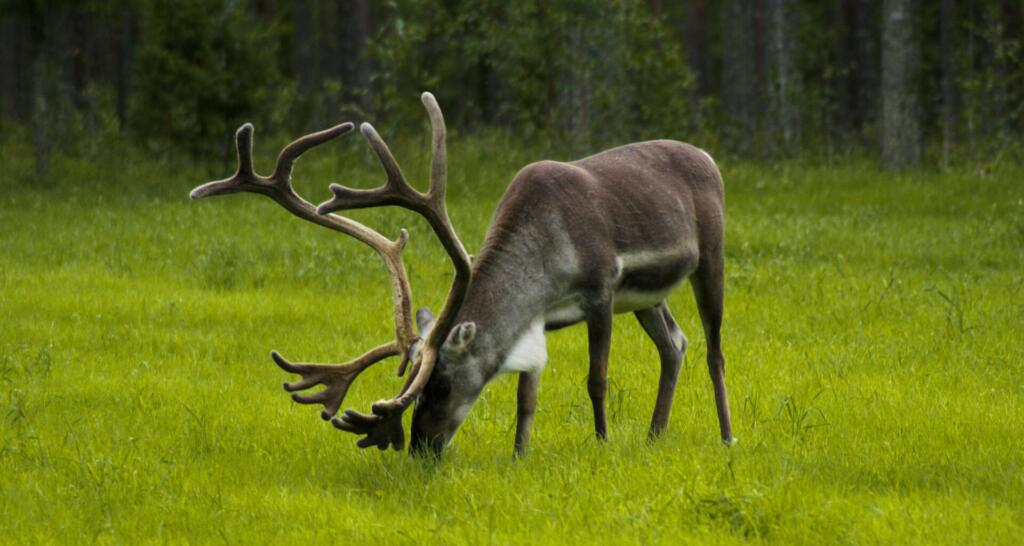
(278, 185)
(443, 226)
(286, 159)
(243, 145)
(396, 190)
(439, 149)
(337, 378)
(396, 180)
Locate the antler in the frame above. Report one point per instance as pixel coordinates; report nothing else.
(384, 425)
(277, 186)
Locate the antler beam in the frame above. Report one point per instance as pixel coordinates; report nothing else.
(384, 425)
(336, 378)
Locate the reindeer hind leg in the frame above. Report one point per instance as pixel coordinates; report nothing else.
(659, 325)
(708, 289)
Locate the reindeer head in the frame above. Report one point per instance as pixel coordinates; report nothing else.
(383, 427)
(452, 389)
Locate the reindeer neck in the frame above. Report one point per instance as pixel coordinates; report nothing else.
(508, 291)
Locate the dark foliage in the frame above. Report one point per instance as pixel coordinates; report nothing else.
(772, 78)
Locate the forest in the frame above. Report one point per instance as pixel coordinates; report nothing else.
(905, 82)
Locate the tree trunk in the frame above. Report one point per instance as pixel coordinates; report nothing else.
(329, 39)
(901, 131)
(1015, 30)
(123, 63)
(738, 75)
(41, 113)
(782, 77)
(306, 62)
(854, 80)
(947, 31)
(698, 51)
(8, 69)
(998, 60)
(842, 74)
(654, 7)
(354, 28)
(868, 72)
(575, 93)
(24, 55)
(40, 77)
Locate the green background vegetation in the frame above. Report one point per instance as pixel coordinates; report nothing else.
(872, 335)
(904, 82)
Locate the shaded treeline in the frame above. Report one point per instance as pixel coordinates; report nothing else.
(904, 80)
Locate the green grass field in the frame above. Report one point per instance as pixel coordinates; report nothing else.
(873, 335)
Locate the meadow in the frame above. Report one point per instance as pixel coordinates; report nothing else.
(875, 366)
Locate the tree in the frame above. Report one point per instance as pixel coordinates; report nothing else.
(355, 30)
(8, 67)
(307, 48)
(204, 67)
(696, 41)
(901, 130)
(854, 72)
(782, 126)
(738, 75)
(947, 32)
(749, 77)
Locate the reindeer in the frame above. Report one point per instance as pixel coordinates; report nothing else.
(570, 242)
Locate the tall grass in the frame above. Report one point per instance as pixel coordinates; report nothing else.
(872, 334)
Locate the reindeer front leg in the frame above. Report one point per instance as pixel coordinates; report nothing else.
(599, 337)
(526, 399)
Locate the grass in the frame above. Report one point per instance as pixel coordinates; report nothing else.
(872, 334)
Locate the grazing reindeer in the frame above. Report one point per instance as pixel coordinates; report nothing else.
(569, 243)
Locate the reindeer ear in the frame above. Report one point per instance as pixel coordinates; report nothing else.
(461, 338)
(424, 320)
